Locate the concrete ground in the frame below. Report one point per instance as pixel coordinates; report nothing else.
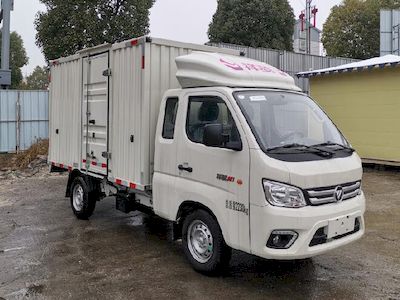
(46, 253)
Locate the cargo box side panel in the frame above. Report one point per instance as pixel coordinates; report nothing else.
(54, 104)
(141, 73)
(160, 77)
(65, 112)
(70, 142)
(126, 114)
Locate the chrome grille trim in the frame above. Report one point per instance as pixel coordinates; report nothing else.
(326, 195)
(351, 187)
(351, 195)
(318, 194)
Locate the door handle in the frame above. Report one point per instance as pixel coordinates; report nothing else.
(187, 169)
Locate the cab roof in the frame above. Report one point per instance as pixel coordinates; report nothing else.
(202, 69)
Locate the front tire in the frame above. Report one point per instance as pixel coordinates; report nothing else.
(83, 201)
(204, 244)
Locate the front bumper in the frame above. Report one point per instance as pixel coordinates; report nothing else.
(305, 221)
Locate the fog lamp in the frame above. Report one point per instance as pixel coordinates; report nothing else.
(282, 239)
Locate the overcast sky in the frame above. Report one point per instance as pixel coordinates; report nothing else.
(182, 20)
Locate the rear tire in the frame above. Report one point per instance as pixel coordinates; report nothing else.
(83, 201)
(204, 244)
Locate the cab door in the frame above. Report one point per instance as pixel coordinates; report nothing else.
(165, 171)
(217, 177)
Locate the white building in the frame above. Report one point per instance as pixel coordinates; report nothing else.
(299, 39)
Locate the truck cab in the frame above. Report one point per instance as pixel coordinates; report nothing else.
(266, 168)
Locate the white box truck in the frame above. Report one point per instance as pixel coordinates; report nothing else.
(226, 148)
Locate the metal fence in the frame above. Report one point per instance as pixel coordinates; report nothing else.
(24, 118)
(289, 62)
(390, 32)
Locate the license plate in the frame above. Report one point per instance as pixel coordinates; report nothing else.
(340, 226)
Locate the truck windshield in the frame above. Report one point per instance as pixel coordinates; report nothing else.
(283, 121)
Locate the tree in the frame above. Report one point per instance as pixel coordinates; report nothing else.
(69, 26)
(352, 28)
(18, 58)
(38, 80)
(255, 23)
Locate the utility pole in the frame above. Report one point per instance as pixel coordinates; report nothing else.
(308, 26)
(5, 74)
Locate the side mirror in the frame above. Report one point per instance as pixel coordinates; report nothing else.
(213, 136)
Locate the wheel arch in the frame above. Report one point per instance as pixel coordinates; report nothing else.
(185, 208)
(72, 175)
(93, 184)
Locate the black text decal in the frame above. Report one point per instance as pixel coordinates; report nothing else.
(225, 178)
(233, 205)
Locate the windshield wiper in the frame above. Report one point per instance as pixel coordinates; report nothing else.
(300, 148)
(327, 144)
(288, 146)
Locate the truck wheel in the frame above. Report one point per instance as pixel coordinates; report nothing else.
(83, 201)
(203, 243)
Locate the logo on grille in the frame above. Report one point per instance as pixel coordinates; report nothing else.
(339, 194)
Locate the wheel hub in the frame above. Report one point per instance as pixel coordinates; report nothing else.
(200, 241)
(77, 197)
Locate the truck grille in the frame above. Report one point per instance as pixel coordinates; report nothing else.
(326, 195)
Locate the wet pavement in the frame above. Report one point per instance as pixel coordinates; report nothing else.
(46, 253)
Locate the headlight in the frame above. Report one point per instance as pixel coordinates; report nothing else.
(279, 194)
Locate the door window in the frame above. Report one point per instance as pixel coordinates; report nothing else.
(209, 110)
(171, 107)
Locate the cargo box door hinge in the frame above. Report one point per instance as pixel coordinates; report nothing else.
(107, 72)
(106, 155)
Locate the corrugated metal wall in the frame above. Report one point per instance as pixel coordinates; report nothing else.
(24, 118)
(390, 32)
(290, 62)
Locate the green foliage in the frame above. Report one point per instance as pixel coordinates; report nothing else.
(69, 26)
(18, 58)
(352, 28)
(255, 23)
(38, 80)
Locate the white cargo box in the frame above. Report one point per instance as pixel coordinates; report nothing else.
(104, 105)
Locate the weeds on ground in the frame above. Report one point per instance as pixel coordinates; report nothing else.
(23, 159)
